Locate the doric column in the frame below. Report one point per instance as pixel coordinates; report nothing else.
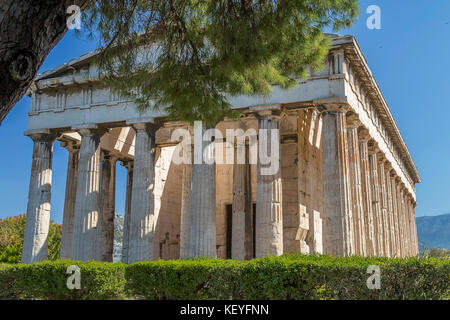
(269, 216)
(384, 205)
(404, 221)
(87, 197)
(366, 184)
(316, 223)
(336, 183)
(202, 241)
(307, 217)
(401, 225)
(395, 214)
(129, 165)
(186, 203)
(38, 210)
(105, 225)
(356, 185)
(415, 249)
(142, 224)
(73, 147)
(242, 222)
(376, 200)
(390, 211)
(416, 242)
(408, 223)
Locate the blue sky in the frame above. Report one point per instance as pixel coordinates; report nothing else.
(409, 57)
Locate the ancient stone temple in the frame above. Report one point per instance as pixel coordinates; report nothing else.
(344, 181)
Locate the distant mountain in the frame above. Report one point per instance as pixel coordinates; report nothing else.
(434, 231)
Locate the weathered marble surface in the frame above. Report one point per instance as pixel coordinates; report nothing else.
(345, 184)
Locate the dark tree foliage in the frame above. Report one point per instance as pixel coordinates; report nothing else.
(188, 57)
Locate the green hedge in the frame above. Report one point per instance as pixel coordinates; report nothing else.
(287, 277)
(48, 280)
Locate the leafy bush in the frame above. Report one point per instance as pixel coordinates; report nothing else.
(12, 231)
(292, 276)
(48, 280)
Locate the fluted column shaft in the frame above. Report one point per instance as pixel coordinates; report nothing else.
(87, 198)
(202, 241)
(384, 207)
(356, 187)
(376, 202)
(416, 243)
(405, 221)
(186, 203)
(105, 226)
(129, 165)
(390, 211)
(269, 216)
(367, 192)
(242, 242)
(142, 224)
(408, 225)
(35, 243)
(69, 203)
(401, 224)
(395, 215)
(336, 184)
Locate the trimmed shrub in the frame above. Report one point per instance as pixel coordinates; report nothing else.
(292, 276)
(48, 280)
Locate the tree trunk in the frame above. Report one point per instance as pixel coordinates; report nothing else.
(29, 29)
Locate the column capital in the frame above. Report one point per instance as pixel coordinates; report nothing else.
(144, 124)
(405, 189)
(381, 158)
(388, 166)
(87, 130)
(373, 147)
(41, 135)
(392, 173)
(127, 163)
(353, 121)
(265, 108)
(272, 114)
(108, 156)
(364, 135)
(70, 145)
(333, 108)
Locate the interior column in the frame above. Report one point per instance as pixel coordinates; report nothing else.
(129, 165)
(73, 147)
(356, 186)
(105, 225)
(269, 216)
(366, 184)
(142, 224)
(202, 241)
(88, 195)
